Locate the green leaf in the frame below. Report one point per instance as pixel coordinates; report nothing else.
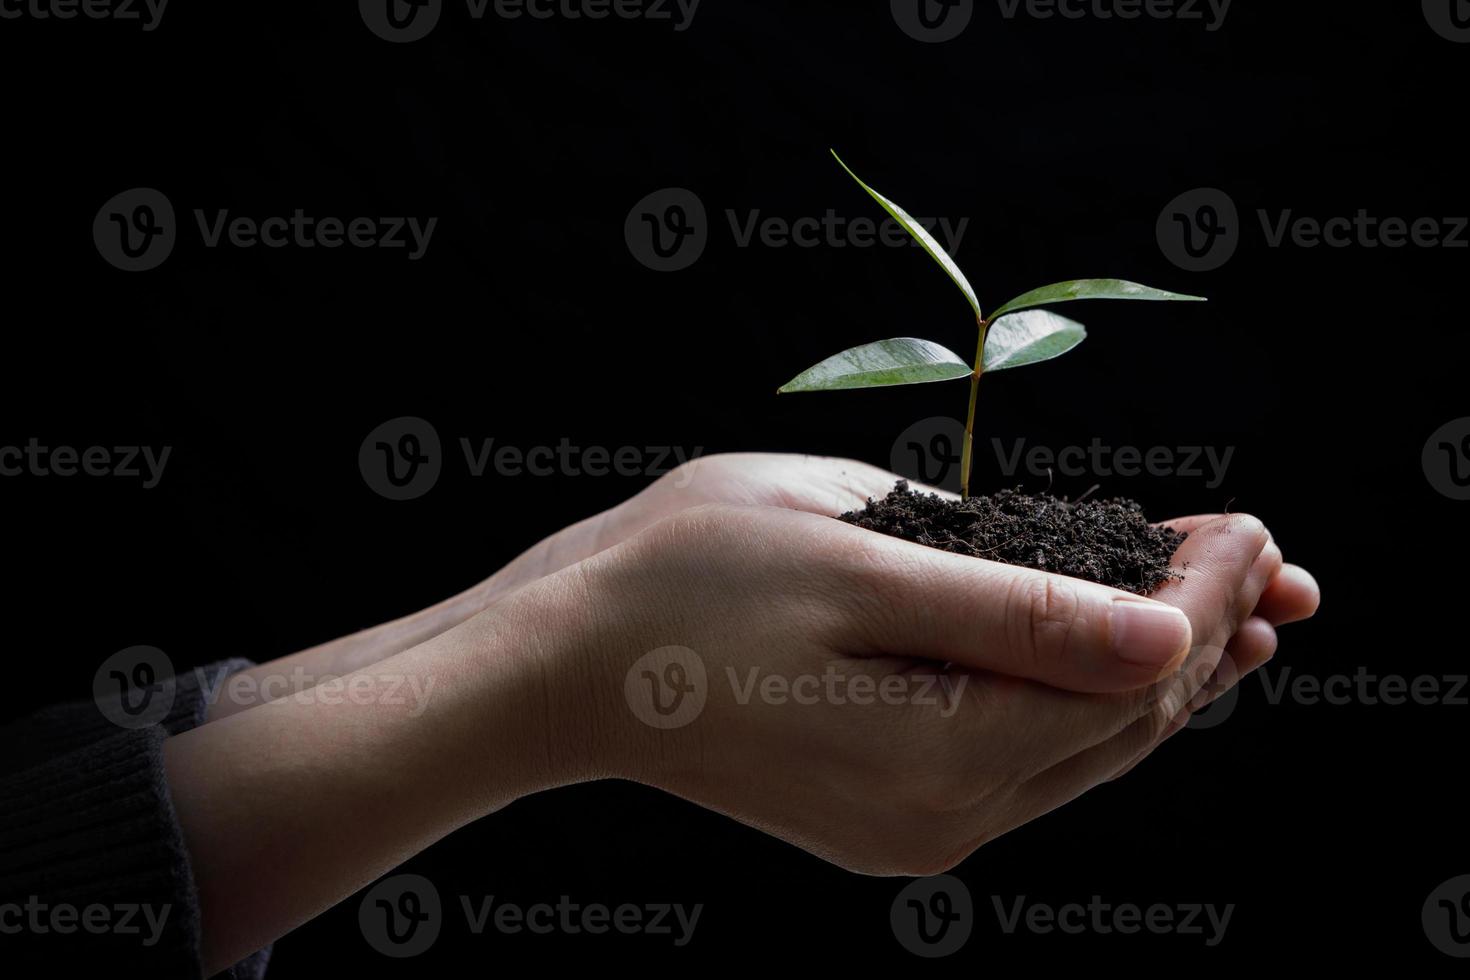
(935, 250)
(902, 361)
(1064, 292)
(1026, 338)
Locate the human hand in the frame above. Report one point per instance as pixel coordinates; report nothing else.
(812, 484)
(1010, 691)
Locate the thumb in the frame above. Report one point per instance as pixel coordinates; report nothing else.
(1061, 631)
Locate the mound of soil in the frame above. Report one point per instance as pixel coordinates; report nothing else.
(1106, 541)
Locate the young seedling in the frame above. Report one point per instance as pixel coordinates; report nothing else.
(1014, 335)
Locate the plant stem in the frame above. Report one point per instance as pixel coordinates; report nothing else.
(967, 451)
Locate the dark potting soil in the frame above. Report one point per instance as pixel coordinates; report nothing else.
(1107, 541)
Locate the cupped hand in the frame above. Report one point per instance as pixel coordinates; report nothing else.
(811, 484)
(886, 706)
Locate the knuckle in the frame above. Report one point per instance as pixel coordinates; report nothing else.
(1152, 709)
(1043, 611)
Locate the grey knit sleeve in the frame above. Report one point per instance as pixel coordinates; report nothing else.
(93, 870)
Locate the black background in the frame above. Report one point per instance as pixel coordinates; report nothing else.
(529, 321)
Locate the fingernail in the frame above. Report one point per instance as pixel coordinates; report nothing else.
(1149, 634)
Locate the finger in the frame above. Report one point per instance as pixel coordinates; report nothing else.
(1229, 562)
(1247, 651)
(1193, 522)
(1292, 596)
(1235, 610)
(984, 615)
(1176, 697)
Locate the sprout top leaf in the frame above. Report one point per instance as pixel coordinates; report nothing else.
(935, 250)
